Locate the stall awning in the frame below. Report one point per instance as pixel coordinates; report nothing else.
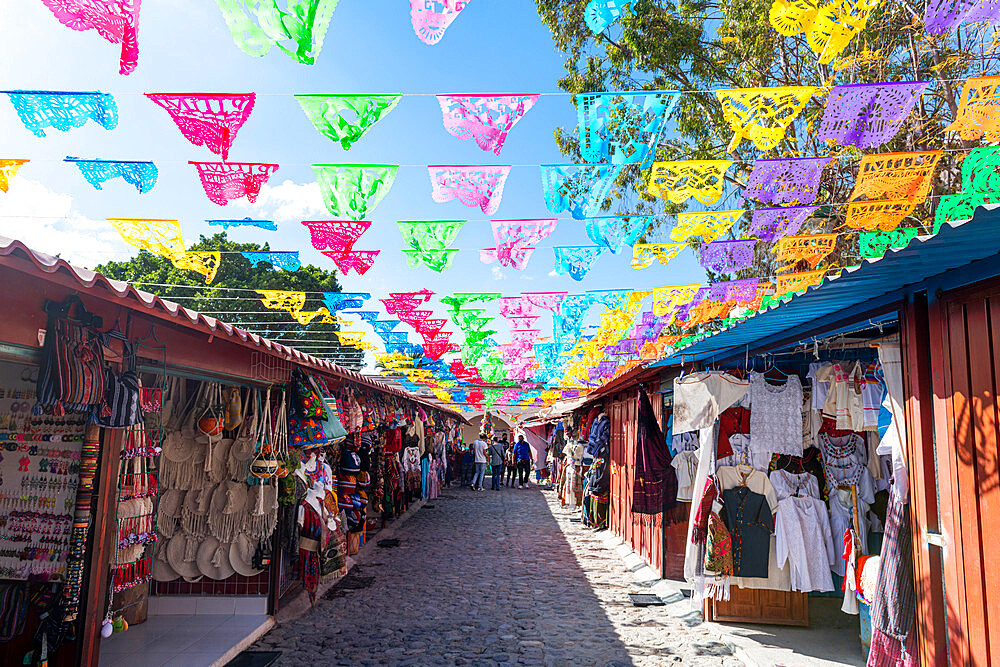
(864, 292)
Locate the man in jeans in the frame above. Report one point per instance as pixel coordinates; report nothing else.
(479, 451)
(522, 454)
(496, 460)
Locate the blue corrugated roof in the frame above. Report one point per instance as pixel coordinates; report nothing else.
(859, 292)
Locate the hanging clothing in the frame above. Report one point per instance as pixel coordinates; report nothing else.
(748, 518)
(894, 605)
(818, 374)
(685, 464)
(802, 532)
(776, 416)
(699, 399)
(811, 462)
(872, 391)
(733, 420)
(893, 440)
(600, 433)
(742, 453)
(655, 485)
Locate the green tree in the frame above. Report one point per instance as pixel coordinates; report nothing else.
(232, 299)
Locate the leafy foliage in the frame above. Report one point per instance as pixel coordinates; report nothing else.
(232, 295)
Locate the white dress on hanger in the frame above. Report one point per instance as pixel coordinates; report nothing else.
(775, 416)
(802, 532)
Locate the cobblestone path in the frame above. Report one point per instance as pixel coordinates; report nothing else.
(486, 578)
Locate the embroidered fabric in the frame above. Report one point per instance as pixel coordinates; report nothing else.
(576, 261)
(9, 167)
(209, 120)
(140, 175)
(226, 181)
(978, 116)
(873, 245)
(486, 118)
(614, 232)
(803, 537)
(298, 30)
(643, 254)
(896, 175)
(346, 118)
(761, 115)
(623, 127)
(709, 225)
(868, 115)
(351, 191)
(577, 188)
(431, 19)
(728, 256)
(681, 180)
(775, 415)
(812, 248)
(789, 181)
(283, 259)
(770, 224)
(41, 109)
(474, 186)
(114, 20)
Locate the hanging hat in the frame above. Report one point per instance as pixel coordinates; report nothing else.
(182, 555)
(177, 448)
(161, 568)
(241, 553)
(213, 559)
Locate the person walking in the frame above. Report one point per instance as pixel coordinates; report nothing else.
(479, 452)
(522, 455)
(510, 463)
(497, 454)
(468, 466)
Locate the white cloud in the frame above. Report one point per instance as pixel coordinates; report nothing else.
(45, 220)
(553, 274)
(497, 273)
(287, 202)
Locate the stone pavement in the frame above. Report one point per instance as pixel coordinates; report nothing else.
(485, 578)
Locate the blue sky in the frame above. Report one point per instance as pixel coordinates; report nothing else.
(494, 46)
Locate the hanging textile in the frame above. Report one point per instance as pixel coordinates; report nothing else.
(742, 290)
(943, 16)
(267, 225)
(158, 236)
(577, 188)
(346, 118)
(207, 119)
(485, 118)
(979, 184)
(978, 114)
(761, 115)
(728, 256)
(829, 28)
(343, 300)
(205, 262)
(868, 115)
(623, 127)
(797, 282)
(709, 225)
(599, 14)
(881, 214)
(614, 232)
(435, 260)
(337, 235)
(352, 190)
(226, 181)
(643, 254)
(431, 19)
(114, 20)
(287, 260)
(298, 30)
(548, 300)
(873, 245)
(9, 167)
(475, 186)
(770, 224)
(358, 261)
(789, 181)
(896, 175)
(40, 109)
(812, 248)
(679, 181)
(140, 175)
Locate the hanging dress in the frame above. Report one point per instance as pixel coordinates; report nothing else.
(802, 532)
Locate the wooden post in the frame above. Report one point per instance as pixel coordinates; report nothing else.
(101, 539)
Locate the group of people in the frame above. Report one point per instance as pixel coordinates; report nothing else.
(509, 462)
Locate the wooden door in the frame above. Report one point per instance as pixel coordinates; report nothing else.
(747, 605)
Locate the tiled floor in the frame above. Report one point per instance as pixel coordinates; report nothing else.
(180, 640)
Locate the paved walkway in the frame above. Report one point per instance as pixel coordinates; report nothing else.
(491, 578)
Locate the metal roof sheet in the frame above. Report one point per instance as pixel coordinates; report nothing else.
(43, 265)
(956, 244)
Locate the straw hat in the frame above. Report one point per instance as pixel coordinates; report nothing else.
(213, 559)
(241, 553)
(182, 554)
(161, 568)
